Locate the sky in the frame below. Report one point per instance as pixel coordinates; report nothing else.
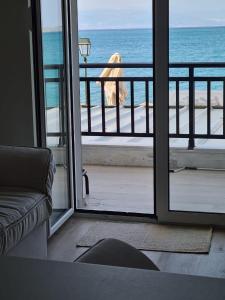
(100, 14)
(51, 14)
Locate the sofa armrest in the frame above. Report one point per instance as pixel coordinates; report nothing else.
(25, 167)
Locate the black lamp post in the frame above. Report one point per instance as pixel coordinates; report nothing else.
(85, 50)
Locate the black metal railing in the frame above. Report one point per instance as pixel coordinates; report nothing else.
(129, 80)
(191, 79)
(56, 78)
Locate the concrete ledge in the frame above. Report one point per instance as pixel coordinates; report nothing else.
(110, 155)
(198, 158)
(142, 156)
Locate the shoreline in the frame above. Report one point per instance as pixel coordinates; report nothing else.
(59, 28)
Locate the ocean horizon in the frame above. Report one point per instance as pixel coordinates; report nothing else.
(149, 28)
(59, 28)
(187, 44)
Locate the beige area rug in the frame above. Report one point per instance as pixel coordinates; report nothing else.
(145, 236)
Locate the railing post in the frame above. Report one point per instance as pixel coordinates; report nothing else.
(103, 105)
(88, 105)
(191, 142)
(117, 107)
(224, 108)
(86, 88)
(61, 107)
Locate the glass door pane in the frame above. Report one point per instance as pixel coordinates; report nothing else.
(117, 116)
(196, 113)
(57, 103)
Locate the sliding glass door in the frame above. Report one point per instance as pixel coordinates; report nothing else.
(58, 106)
(192, 133)
(117, 106)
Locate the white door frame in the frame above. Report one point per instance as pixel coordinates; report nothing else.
(74, 145)
(75, 109)
(74, 117)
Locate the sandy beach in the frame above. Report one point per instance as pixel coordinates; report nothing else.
(200, 98)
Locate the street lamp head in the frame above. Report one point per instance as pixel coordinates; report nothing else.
(84, 47)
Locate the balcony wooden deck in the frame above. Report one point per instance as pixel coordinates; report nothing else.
(130, 189)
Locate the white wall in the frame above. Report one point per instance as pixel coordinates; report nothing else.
(16, 93)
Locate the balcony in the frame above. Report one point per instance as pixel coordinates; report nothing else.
(196, 132)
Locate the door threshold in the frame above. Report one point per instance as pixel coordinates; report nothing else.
(116, 216)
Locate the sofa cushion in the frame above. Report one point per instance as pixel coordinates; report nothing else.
(21, 210)
(31, 168)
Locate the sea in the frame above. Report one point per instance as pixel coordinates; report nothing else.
(199, 44)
